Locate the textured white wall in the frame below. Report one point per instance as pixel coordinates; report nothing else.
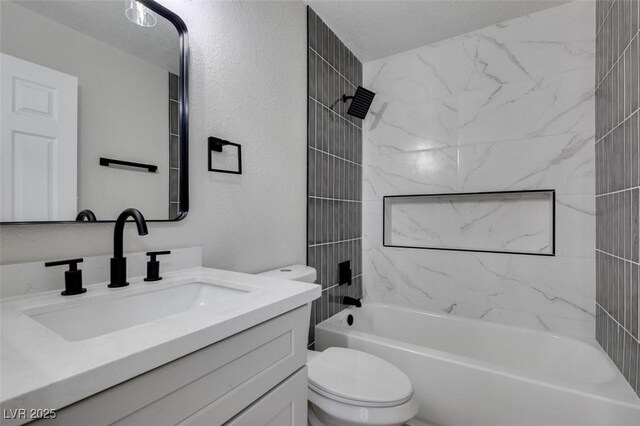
(247, 85)
(508, 107)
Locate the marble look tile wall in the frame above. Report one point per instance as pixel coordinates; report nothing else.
(334, 175)
(618, 183)
(508, 107)
(520, 222)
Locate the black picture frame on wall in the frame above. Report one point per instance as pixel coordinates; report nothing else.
(183, 197)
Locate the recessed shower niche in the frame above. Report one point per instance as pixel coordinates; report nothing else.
(516, 222)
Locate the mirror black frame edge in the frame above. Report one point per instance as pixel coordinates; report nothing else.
(183, 34)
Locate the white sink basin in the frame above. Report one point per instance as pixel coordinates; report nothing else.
(105, 314)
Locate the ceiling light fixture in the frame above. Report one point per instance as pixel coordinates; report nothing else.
(139, 14)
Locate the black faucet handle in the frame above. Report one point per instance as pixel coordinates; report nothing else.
(153, 254)
(72, 277)
(73, 263)
(344, 272)
(153, 265)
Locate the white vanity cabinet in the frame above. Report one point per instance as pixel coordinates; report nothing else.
(256, 377)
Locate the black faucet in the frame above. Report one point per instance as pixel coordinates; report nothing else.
(118, 261)
(351, 301)
(86, 214)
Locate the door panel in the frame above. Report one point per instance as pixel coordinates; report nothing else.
(33, 176)
(32, 98)
(39, 153)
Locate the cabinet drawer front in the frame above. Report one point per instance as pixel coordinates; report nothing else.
(229, 374)
(285, 405)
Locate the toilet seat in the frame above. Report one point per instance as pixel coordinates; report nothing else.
(356, 403)
(358, 378)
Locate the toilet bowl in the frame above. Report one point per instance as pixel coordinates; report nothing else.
(348, 387)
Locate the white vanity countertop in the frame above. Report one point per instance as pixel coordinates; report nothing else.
(42, 370)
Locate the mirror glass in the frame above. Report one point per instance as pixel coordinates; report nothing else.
(91, 111)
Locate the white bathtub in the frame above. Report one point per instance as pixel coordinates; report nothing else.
(470, 372)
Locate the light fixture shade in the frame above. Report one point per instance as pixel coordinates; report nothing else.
(139, 14)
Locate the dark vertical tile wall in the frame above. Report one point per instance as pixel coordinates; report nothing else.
(174, 146)
(617, 183)
(334, 176)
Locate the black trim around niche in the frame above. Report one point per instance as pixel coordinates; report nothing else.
(552, 192)
(183, 34)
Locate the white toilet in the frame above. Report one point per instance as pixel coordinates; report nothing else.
(349, 387)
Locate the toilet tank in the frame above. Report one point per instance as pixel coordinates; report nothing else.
(302, 273)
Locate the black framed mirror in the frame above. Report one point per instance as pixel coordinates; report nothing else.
(94, 111)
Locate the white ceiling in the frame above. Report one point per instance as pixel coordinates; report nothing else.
(105, 20)
(375, 29)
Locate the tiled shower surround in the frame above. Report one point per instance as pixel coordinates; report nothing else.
(174, 146)
(334, 210)
(508, 107)
(617, 183)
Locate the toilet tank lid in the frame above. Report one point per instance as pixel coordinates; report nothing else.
(302, 273)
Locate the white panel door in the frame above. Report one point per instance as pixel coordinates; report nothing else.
(39, 154)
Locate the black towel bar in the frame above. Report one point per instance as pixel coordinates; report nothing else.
(109, 161)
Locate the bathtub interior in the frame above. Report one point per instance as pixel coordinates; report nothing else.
(517, 349)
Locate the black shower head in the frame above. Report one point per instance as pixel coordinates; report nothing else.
(360, 102)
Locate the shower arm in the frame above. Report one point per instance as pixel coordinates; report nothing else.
(343, 98)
